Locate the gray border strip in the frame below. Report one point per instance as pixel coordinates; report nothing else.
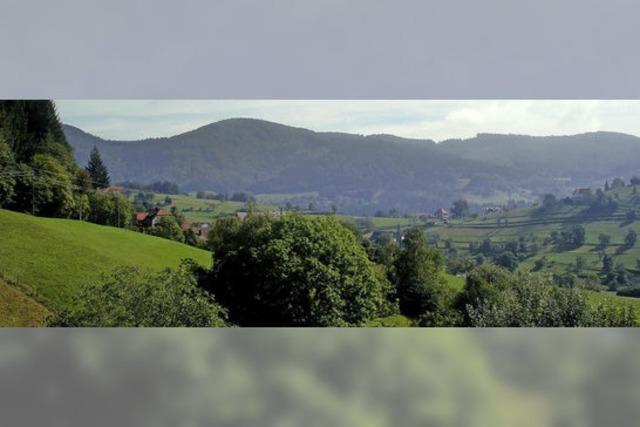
(331, 49)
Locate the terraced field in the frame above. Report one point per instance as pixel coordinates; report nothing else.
(533, 222)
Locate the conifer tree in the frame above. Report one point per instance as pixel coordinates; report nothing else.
(97, 170)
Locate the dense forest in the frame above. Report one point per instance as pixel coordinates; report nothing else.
(363, 174)
(38, 173)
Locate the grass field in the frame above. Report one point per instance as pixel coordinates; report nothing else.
(532, 222)
(200, 210)
(19, 310)
(204, 210)
(54, 256)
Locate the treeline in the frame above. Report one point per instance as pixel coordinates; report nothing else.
(234, 197)
(39, 175)
(165, 187)
(315, 271)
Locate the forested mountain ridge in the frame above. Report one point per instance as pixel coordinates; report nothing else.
(364, 173)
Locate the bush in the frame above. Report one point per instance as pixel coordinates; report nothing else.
(494, 297)
(131, 298)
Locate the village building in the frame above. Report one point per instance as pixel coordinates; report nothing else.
(149, 218)
(442, 214)
(582, 194)
(201, 231)
(492, 209)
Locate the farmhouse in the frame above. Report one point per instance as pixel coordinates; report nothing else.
(201, 231)
(492, 209)
(149, 218)
(582, 194)
(441, 213)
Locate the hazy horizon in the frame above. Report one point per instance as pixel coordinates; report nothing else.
(427, 119)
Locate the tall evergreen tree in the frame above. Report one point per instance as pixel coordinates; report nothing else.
(31, 127)
(97, 170)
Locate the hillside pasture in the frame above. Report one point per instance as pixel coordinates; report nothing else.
(55, 256)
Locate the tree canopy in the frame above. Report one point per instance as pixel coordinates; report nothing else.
(295, 271)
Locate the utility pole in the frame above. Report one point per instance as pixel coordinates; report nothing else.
(118, 209)
(33, 194)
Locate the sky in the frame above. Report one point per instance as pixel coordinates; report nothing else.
(427, 119)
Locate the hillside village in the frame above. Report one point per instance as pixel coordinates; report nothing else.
(82, 249)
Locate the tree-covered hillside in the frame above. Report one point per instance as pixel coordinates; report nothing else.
(362, 174)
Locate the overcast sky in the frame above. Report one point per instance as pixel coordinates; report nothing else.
(430, 119)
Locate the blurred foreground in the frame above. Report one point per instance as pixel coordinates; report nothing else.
(319, 377)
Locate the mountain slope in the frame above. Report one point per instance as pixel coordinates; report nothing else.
(363, 173)
(54, 256)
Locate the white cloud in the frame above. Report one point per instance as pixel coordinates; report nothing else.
(432, 119)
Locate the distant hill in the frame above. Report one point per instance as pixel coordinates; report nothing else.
(364, 173)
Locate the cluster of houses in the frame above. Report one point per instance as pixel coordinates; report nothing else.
(443, 215)
(440, 213)
(150, 218)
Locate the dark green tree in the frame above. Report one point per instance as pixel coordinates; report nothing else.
(97, 170)
(31, 127)
(7, 174)
(45, 188)
(110, 209)
(603, 242)
(549, 201)
(621, 277)
(294, 271)
(460, 208)
(168, 228)
(630, 239)
(507, 260)
(608, 271)
(419, 280)
(617, 183)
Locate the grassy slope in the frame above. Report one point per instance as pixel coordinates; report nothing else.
(54, 256)
(18, 309)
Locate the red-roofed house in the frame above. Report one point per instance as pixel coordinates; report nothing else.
(150, 218)
(441, 213)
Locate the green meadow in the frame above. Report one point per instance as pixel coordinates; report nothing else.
(52, 257)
